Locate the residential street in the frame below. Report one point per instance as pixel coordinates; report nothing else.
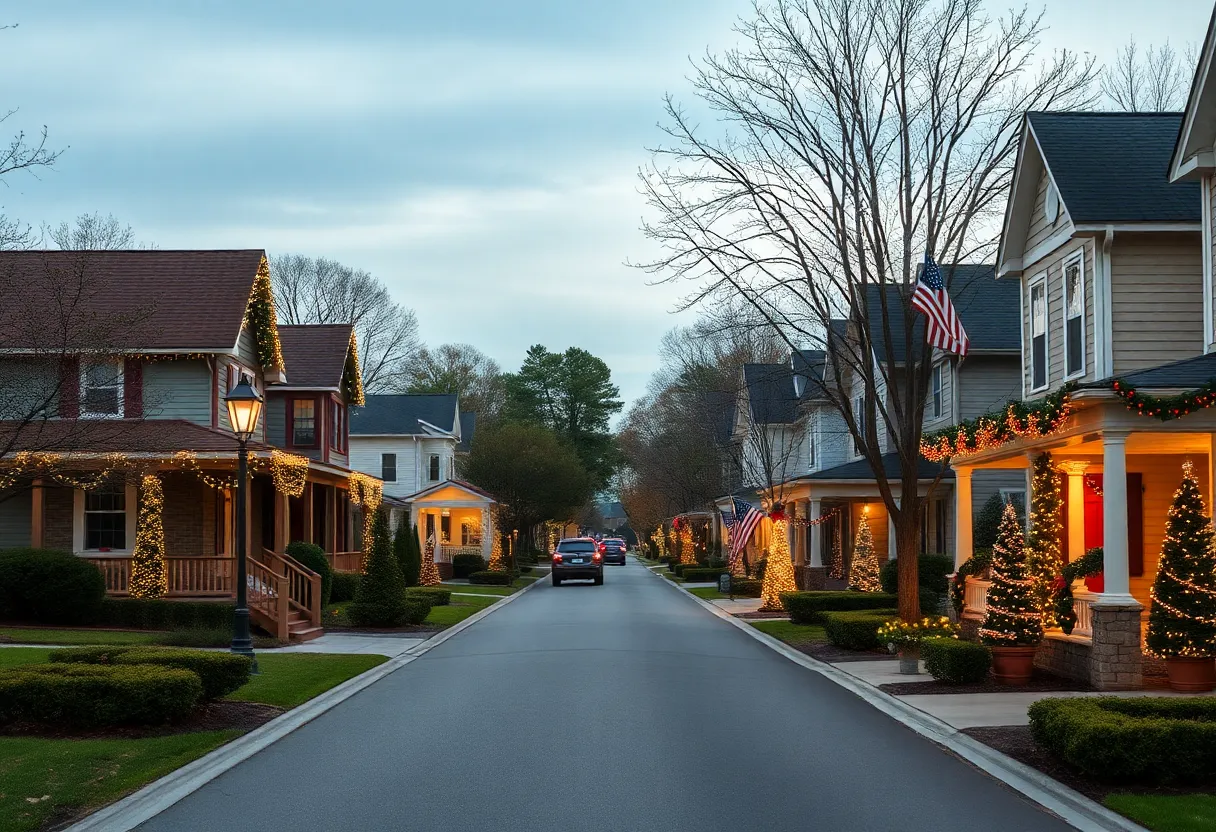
(622, 707)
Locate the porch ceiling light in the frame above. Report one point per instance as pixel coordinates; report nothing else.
(447, 513)
(244, 408)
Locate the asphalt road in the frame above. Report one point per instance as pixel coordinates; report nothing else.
(623, 707)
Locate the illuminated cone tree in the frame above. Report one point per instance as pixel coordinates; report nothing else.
(149, 575)
(779, 573)
(863, 572)
(1182, 618)
(497, 562)
(688, 552)
(1043, 556)
(1014, 618)
(429, 575)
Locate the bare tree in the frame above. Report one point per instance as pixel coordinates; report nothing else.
(1155, 80)
(461, 369)
(314, 290)
(92, 232)
(857, 134)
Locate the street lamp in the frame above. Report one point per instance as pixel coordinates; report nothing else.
(244, 408)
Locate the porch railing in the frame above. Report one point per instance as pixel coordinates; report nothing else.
(1081, 602)
(303, 585)
(447, 551)
(268, 597)
(197, 577)
(975, 597)
(345, 561)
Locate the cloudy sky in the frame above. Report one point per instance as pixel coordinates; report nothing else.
(480, 156)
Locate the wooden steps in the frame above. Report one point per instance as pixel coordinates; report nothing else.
(300, 628)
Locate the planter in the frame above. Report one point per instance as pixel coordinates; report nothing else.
(1191, 674)
(909, 660)
(1095, 583)
(1012, 665)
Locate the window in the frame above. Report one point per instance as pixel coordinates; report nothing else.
(445, 528)
(388, 467)
(1074, 315)
(470, 534)
(338, 430)
(938, 403)
(433, 472)
(304, 423)
(859, 414)
(1038, 333)
(812, 428)
(105, 518)
(101, 389)
(1016, 496)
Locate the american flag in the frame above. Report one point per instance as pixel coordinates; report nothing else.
(944, 328)
(746, 518)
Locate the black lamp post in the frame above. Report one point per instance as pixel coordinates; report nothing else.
(244, 408)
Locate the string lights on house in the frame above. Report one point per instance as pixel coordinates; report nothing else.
(779, 571)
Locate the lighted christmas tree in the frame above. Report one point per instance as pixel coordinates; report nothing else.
(429, 576)
(1014, 618)
(863, 572)
(497, 562)
(779, 573)
(1182, 617)
(688, 552)
(149, 576)
(1043, 556)
(659, 539)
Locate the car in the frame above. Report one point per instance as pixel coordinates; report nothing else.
(577, 557)
(613, 549)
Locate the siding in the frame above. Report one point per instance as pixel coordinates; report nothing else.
(1210, 231)
(247, 348)
(947, 417)
(985, 483)
(986, 383)
(276, 420)
(365, 456)
(15, 515)
(1156, 299)
(178, 390)
(1053, 266)
(1039, 229)
(835, 443)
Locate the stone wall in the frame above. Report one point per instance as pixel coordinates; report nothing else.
(1064, 656)
(1117, 660)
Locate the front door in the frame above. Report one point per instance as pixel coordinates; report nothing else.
(1094, 516)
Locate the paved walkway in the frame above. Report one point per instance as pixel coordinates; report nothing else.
(379, 645)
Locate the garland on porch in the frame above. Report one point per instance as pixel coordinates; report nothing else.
(977, 564)
(352, 375)
(1091, 563)
(260, 317)
(149, 575)
(288, 471)
(819, 521)
(1166, 408)
(1017, 420)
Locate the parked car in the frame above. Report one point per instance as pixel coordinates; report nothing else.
(578, 557)
(613, 549)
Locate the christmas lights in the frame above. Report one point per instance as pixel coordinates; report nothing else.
(352, 375)
(149, 574)
(260, 318)
(497, 562)
(289, 472)
(1166, 408)
(779, 573)
(1014, 618)
(1043, 555)
(1017, 420)
(688, 554)
(863, 571)
(429, 575)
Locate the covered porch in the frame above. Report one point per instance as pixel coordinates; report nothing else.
(455, 518)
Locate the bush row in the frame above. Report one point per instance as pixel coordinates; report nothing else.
(160, 614)
(413, 610)
(47, 586)
(810, 607)
(345, 585)
(93, 695)
(491, 578)
(440, 596)
(746, 587)
(694, 574)
(464, 565)
(954, 661)
(857, 630)
(219, 673)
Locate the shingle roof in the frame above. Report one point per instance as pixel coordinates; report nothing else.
(722, 405)
(809, 365)
(392, 414)
(1185, 374)
(988, 307)
(193, 301)
(860, 470)
(1114, 167)
(468, 427)
(153, 436)
(770, 388)
(315, 354)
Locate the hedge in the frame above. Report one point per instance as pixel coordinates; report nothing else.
(439, 596)
(417, 608)
(92, 695)
(48, 586)
(703, 573)
(856, 630)
(313, 556)
(220, 673)
(956, 662)
(809, 607)
(465, 564)
(159, 614)
(932, 576)
(491, 578)
(745, 587)
(1153, 740)
(345, 585)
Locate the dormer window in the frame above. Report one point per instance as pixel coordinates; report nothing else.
(1074, 315)
(101, 386)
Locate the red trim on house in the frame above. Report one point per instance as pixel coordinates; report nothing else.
(318, 423)
(133, 389)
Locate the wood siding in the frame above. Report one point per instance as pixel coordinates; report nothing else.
(1039, 229)
(1156, 299)
(178, 389)
(15, 520)
(1053, 266)
(947, 417)
(987, 383)
(1210, 231)
(985, 483)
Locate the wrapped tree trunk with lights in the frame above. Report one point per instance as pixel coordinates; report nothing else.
(1182, 617)
(779, 573)
(863, 572)
(429, 574)
(1013, 626)
(149, 574)
(1043, 555)
(688, 552)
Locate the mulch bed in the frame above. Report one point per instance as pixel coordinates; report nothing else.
(827, 652)
(1039, 683)
(210, 716)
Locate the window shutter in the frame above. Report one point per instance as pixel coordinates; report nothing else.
(133, 389)
(69, 387)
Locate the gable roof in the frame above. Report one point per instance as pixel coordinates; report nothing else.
(860, 470)
(1186, 374)
(808, 368)
(315, 354)
(1193, 154)
(1113, 167)
(400, 414)
(468, 426)
(461, 484)
(183, 301)
(770, 390)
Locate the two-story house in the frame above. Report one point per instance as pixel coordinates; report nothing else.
(412, 441)
(130, 432)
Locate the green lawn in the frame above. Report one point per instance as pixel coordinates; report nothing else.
(13, 656)
(457, 611)
(291, 679)
(40, 635)
(480, 589)
(792, 634)
(709, 593)
(1168, 813)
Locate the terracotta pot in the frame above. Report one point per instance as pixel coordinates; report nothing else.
(1012, 665)
(909, 660)
(1096, 583)
(1191, 674)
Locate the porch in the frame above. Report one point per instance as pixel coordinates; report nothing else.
(455, 518)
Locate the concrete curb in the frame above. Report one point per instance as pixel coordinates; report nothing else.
(1071, 806)
(159, 795)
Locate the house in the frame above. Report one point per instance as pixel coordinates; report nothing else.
(133, 429)
(412, 442)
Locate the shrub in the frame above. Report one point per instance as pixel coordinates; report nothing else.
(746, 587)
(220, 673)
(932, 576)
(345, 585)
(491, 578)
(703, 573)
(440, 597)
(855, 630)
(313, 556)
(954, 661)
(92, 695)
(160, 614)
(716, 563)
(809, 607)
(198, 637)
(898, 635)
(466, 563)
(988, 520)
(417, 608)
(47, 586)
(1155, 740)
(380, 599)
(408, 552)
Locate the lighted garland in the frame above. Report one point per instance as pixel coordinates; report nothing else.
(779, 573)
(1043, 555)
(819, 521)
(352, 375)
(688, 553)
(1017, 420)
(261, 318)
(149, 574)
(368, 493)
(289, 472)
(497, 562)
(1166, 408)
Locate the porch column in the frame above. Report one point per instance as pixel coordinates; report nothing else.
(282, 521)
(306, 512)
(1076, 507)
(814, 512)
(797, 537)
(1116, 659)
(962, 516)
(37, 515)
(892, 551)
(486, 535)
(330, 543)
(1114, 518)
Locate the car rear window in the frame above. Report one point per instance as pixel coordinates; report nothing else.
(576, 546)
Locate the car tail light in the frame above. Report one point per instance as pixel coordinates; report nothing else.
(557, 558)
(603, 548)
(598, 556)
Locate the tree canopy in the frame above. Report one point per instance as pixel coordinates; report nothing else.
(462, 369)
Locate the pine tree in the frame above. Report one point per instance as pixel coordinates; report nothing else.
(779, 573)
(1182, 617)
(1014, 618)
(863, 572)
(428, 575)
(380, 598)
(1043, 556)
(688, 552)
(149, 573)
(405, 547)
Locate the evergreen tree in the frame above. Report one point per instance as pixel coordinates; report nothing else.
(779, 573)
(405, 547)
(1043, 556)
(149, 572)
(1182, 617)
(688, 552)
(1014, 618)
(428, 575)
(863, 572)
(380, 598)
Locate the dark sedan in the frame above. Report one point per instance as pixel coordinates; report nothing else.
(578, 557)
(613, 549)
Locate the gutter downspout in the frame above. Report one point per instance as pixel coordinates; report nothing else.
(1205, 191)
(1104, 347)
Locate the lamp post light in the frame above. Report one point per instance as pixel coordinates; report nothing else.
(244, 408)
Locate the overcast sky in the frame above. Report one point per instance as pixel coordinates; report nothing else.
(478, 156)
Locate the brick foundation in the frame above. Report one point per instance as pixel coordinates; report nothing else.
(811, 577)
(1065, 656)
(1116, 662)
(57, 517)
(183, 515)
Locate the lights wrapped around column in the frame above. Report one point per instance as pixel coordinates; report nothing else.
(659, 539)
(779, 571)
(497, 562)
(688, 554)
(149, 575)
(863, 570)
(429, 574)
(1043, 555)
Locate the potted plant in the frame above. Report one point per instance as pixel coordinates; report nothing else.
(1013, 626)
(903, 638)
(1182, 618)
